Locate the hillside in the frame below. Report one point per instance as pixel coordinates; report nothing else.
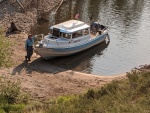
(25, 15)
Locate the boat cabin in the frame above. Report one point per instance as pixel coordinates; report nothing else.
(69, 33)
(70, 29)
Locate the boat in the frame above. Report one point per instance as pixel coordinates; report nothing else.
(70, 37)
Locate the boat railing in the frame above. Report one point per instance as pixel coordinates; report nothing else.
(38, 38)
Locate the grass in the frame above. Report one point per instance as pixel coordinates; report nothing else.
(5, 50)
(12, 100)
(126, 96)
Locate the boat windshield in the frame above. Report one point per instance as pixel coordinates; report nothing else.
(56, 32)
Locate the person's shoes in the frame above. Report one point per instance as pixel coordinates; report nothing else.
(26, 58)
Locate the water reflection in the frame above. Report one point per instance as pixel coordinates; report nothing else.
(128, 29)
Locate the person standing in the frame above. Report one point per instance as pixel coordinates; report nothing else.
(29, 46)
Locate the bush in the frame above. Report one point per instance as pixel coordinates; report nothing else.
(133, 76)
(10, 91)
(16, 108)
(90, 94)
(130, 95)
(11, 97)
(5, 50)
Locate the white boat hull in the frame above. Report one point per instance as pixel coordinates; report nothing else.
(49, 52)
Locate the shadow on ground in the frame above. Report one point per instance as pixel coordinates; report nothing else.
(39, 65)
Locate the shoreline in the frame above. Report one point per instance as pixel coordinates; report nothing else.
(44, 81)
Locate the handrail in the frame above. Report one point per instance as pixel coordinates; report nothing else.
(37, 39)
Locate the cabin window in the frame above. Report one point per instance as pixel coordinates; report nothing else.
(56, 32)
(66, 35)
(86, 31)
(77, 34)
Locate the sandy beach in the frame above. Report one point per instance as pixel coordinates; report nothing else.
(44, 81)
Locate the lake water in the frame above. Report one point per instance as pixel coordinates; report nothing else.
(129, 31)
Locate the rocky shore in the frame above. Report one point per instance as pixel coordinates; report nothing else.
(40, 78)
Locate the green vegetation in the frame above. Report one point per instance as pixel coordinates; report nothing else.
(5, 50)
(11, 98)
(131, 95)
(127, 96)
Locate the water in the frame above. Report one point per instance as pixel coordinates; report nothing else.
(129, 31)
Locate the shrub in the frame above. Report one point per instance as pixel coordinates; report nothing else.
(10, 91)
(133, 76)
(90, 94)
(16, 108)
(112, 87)
(63, 99)
(11, 97)
(5, 50)
(115, 97)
